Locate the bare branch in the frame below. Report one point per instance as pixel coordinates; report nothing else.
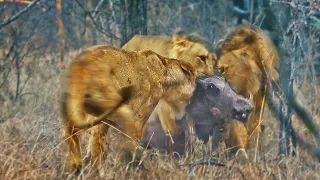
(95, 12)
(303, 116)
(307, 146)
(98, 27)
(209, 162)
(241, 11)
(16, 1)
(16, 16)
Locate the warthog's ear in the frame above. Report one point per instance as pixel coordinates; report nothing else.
(200, 83)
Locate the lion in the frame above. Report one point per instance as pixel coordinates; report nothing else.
(190, 48)
(120, 88)
(247, 59)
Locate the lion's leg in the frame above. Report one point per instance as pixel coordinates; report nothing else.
(72, 134)
(166, 116)
(104, 98)
(131, 134)
(98, 143)
(73, 148)
(100, 99)
(189, 135)
(123, 117)
(237, 138)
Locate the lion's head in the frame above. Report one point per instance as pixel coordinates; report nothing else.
(195, 50)
(247, 58)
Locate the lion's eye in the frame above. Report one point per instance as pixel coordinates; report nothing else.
(203, 58)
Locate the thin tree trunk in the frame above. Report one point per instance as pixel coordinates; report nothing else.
(18, 77)
(286, 83)
(124, 17)
(134, 19)
(61, 31)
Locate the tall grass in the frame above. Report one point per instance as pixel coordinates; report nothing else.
(32, 147)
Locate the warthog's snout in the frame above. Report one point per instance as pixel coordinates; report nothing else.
(241, 109)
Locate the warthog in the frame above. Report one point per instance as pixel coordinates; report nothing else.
(212, 105)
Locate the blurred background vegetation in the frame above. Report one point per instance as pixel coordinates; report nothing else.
(293, 25)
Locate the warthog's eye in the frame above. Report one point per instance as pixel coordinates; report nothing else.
(213, 90)
(203, 58)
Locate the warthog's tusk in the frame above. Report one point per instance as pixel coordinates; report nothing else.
(244, 115)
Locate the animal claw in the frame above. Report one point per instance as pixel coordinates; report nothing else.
(242, 152)
(169, 134)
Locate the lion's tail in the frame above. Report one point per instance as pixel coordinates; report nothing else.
(73, 109)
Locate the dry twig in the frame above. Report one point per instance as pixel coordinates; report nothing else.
(16, 16)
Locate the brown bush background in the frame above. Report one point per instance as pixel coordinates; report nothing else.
(31, 144)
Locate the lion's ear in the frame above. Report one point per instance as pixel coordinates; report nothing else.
(163, 59)
(176, 37)
(187, 70)
(158, 58)
(180, 42)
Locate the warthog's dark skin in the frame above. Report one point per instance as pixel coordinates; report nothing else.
(212, 104)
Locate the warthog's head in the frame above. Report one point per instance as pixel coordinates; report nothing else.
(223, 102)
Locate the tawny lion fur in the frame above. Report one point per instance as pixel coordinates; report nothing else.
(190, 48)
(247, 58)
(121, 88)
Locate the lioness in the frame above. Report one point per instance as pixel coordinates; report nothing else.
(247, 58)
(121, 88)
(190, 48)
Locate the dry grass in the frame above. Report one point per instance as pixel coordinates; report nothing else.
(32, 145)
